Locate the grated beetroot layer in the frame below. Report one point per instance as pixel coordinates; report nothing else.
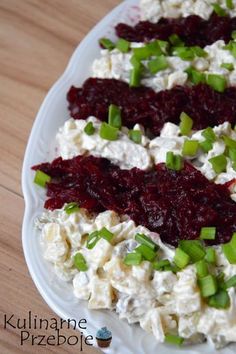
(143, 105)
(193, 30)
(174, 204)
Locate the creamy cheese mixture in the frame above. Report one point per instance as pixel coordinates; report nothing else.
(161, 301)
(116, 65)
(153, 10)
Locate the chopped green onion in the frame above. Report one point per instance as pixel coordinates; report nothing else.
(198, 51)
(219, 10)
(89, 128)
(133, 259)
(106, 234)
(230, 283)
(220, 280)
(136, 63)
(146, 252)
(229, 142)
(92, 240)
(206, 145)
(228, 66)
(154, 48)
(71, 208)
(114, 116)
(41, 178)
(232, 154)
(173, 339)
(233, 34)
(160, 265)
(220, 300)
(181, 259)
(229, 250)
(142, 53)
(190, 148)
(164, 46)
(158, 64)
(107, 43)
(194, 249)
(136, 136)
(145, 240)
(174, 162)
(185, 53)
(196, 77)
(122, 45)
(207, 285)
(108, 132)
(175, 40)
(229, 4)
(208, 233)
(217, 82)
(210, 255)
(186, 123)
(80, 262)
(218, 163)
(209, 134)
(135, 78)
(234, 165)
(202, 269)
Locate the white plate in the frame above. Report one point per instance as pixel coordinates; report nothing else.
(127, 339)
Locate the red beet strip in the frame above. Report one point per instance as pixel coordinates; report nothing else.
(174, 204)
(143, 105)
(193, 30)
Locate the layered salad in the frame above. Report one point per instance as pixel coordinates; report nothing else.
(140, 210)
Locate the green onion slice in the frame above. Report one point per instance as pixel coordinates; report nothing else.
(158, 64)
(41, 178)
(133, 259)
(145, 240)
(231, 143)
(209, 134)
(160, 265)
(202, 269)
(175, 40)
(108, 132)
(230, 283)
(122, 45)
(142, 53)
(194, 249)
(207, 285)
(89, 128)
(181, 259)
(147, 252)
(174, 339)
(186, 123)
(106, 43)
(154, 48)
(190, 148)
(135, 78)
(106, 234)
(136, 63)
(80, 262)
(71, 208)
(208, 233)
(229, 250)
(206, 145)
(219, 10)
(229, 4)
(217, 82)
(92, 240)
(114, 116)
(228, 66)
(232, 154)
(136, 136)
(220, 300)
(210, 255)
(185, 53)
(174, 162)
(196, 77)
(218, 163)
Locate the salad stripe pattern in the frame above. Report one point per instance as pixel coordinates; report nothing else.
(140, 210)
(152, 110)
